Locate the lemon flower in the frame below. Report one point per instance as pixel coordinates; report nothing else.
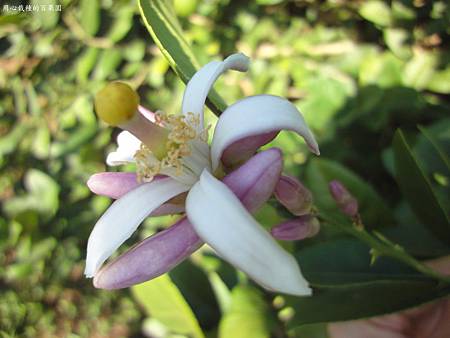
(177, 170)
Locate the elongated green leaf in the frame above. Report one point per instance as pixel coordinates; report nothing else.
(372, 208)
(165, 30)
(85, 64)
(417, 189)
(42, 195)
(163, 301)
(108, 61)
(90, 16)
(365, 300)
(436, 145)
(310, 331)
(376, 11)
(248, 316)
(344, 262)
(193, 283)
(420, 242)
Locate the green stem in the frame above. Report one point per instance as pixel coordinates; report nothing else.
(381, 246)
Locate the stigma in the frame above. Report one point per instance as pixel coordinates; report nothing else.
(117, 105)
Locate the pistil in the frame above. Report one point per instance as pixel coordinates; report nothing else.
(117, 104)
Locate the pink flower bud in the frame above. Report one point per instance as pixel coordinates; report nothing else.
(293, 195)
(295, 229)
(344, 199)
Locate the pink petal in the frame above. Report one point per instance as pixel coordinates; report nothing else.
(255, 116)
(293, 195)
(243, 149)
(112, 184)
(152, 257)
(117, 184)
(252, 183)
(344, 199)
(296, 229)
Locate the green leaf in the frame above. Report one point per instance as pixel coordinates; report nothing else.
(193, 283)
(165, 30)
(420, 242)
(376, 11)
(162, 300)
(365, 300)
(310, 331)
(440, 82)
(42, 195)
(373, 209)
(122, 24)
(184, 8)
(90, 16)
(248, 316)
(347, 261)
(384, 70)
(420, 70)
(396, 40)
(10, 141)
(47, 19)
(12, 19)
(417, 189)
(436, 145)
(85, 64)
(108, 61)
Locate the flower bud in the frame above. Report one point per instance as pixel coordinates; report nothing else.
(296, 229)
(116, 103)
(344, 199)
(293, 195)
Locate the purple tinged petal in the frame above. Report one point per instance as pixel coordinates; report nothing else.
(151, 258)
(254, 182)
(243, 149)
(293, 195)
(117, 184)
(344, 199)
(296, 229)
(112, 184)
(255, 116)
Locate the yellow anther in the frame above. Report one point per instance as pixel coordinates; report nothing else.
(116, 103)
(182, 130)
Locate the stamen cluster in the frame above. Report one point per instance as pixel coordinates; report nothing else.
(182, 130)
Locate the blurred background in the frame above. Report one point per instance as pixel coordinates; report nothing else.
(356, 69)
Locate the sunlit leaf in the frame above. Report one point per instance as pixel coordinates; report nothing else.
(162, 300)
(376, 11)
(42, 195)
(90, 16)
(248, 316)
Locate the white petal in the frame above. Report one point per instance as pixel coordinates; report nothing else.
(128, 144)
(256, 115)
(201, 83)
(124, 216)
(220, 220)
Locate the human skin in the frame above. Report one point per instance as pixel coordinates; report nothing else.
(426, 321)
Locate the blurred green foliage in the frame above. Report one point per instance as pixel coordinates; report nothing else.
(358, 70)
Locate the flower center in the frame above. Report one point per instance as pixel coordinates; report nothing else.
(187, 151)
